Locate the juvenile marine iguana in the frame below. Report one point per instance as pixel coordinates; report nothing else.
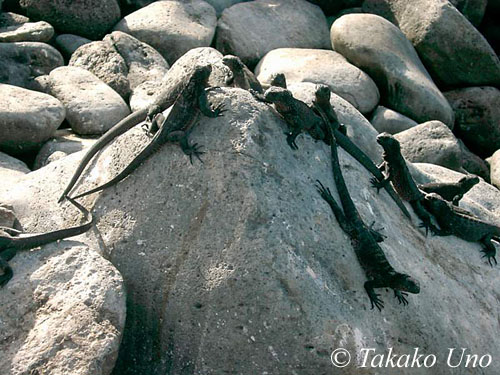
(451, 191)
(322, 106)
(176, 127)
(10, 245)
(164, 100)
(396, 171)
(463, 224)
(241, 76)
(377, 268)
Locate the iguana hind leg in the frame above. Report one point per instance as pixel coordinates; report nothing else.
(7, 272)
(374, 297)
(489, 251)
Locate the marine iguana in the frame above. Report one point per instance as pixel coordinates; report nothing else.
(164, 100)
(176, 127)
(463, 224)
(396, 171)
(241, 76)
(377, 268)
(11, 244)
(451, 191)
(321, 104)
(297, 113)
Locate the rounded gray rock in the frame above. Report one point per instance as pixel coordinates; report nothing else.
(477, 117)
(321, 66)
(69, 43)
(473, 10)
(495, 169)
(220, 5)
(27, 32)
(431, 142)
(380, 49)
(386, 120)
(21, 62)
(453, 58)
(172, 27)
(92, 107)
(11, 170)
(250, 30)
(27, 118)
(473, 163)
(88, 18)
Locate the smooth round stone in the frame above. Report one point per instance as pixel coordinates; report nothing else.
(172, 27)
(495, 169)
(21, 62)
(88, 18)
(386, 120)
(69, 43)
(27, 32)
(250, 30)
(92, 106)
(380, 49)
(321, 66)
(27, 118)
(11, 170)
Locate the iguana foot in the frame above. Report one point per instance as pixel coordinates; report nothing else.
(194, 149)
(490, 254)
(401, 297)
(378, 184)
(375, 232)
(376, 301)
(325, 193)
(7, 275)
(290, 139)
(219, 110)
(427, 225)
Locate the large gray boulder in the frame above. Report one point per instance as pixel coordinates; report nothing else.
(172, 27)
(321, 66)
(238, 266)
(386, 120)
(27, 118)
(453, 51)
(380, 49)
(21, 62)
(251, 29)
(477, 117)
(92, 107)
(87, 18)
(431, 142)
(473, 10)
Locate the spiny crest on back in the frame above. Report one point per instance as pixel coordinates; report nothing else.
(232, 62)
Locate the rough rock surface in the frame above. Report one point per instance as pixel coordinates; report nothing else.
(92, 107)
(12, 19)
(358, 128)
(145, 94)
(69, 43)
(63, 143)
(87, 18)
(220, 5)
(237, 265)
(320, 66)
(172, 27)
(431, 142)
(27, 32)
(473, 10)
(473, 163)
(11, 170)
(333, 7)
(386, 120)
(62, 313)
(21, 62)
(250, 30)
(380, 49)
(453, 58)
(477, 117)
(27, 118)
(495, 169)
(104, 61)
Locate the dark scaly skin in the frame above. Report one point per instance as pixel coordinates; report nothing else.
(297, 115)
(377, 268)
(396, 171)
(241, 77)
(461, 223)
(322, 106)
(451, 191)
(176, 127)
(10, 245)
(161, 103)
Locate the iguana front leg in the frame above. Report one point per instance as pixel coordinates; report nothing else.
(380, 184)
(401, 297)
(207, 110)
(424, 215)
(489, 251)
(374, 297)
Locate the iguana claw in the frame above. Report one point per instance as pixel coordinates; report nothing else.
(376, 301)
(489, 254)
(377, 184)
(401, 297)
(290, 139)
(194, 149)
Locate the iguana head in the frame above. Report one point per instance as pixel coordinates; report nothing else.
(278, 94)
(233, 62)
(388, 142)
(405, 283)
(202, 72)
(468, 181)
(279, 80)
(435, 203)
(322, 94)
